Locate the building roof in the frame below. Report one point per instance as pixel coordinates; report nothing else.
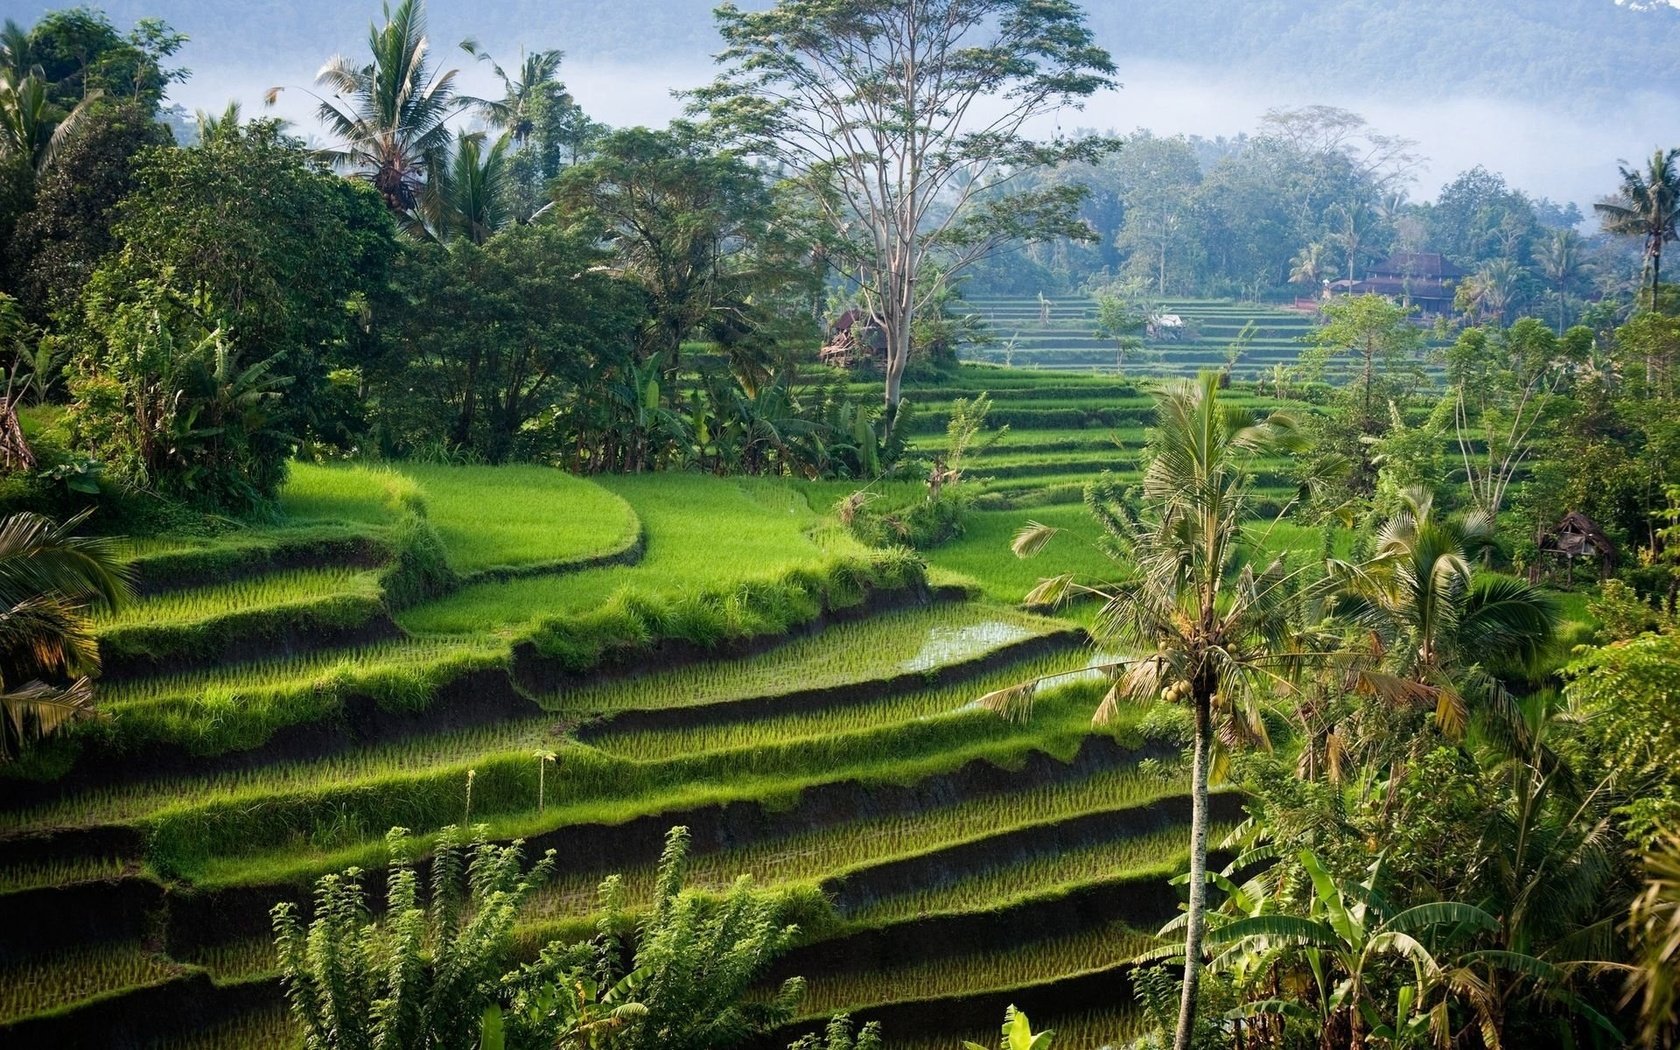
(1417, 288)
(1574, 534)
(1432, 265)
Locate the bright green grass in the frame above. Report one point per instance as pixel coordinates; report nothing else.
(702, 532)
(46, 983)
(982, 553)
(513, 517)
(999, 968)
(305, 670)
(355, 494)
(912, 640)
(294, 587)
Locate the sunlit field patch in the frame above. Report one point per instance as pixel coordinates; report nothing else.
(519, 517)
(700, 532)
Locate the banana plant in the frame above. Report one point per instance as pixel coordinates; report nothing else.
(1018, 1034)
(1348, 936)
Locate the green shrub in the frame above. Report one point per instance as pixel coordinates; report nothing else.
(920, 524)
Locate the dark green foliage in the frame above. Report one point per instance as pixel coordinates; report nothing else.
(250, 236)
(841, 1034)
(432, 970)
(921, 524)
(80, 52)
(696, 228)
(172, 406)
(490, 340)
(60, 241)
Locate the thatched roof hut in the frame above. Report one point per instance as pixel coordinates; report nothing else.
(1575, 538)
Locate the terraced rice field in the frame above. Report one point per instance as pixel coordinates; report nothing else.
(1067, 341)
(841, 755)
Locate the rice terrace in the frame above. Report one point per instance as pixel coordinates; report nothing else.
(842, 569)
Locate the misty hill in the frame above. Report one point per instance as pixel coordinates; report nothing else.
(1586, 55)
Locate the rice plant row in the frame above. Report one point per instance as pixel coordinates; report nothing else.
(274, 590)
(918, 640)
(818, 854)
(847, 650)
(38, 985)
(65, 872)
(268, 1029)
(814, 857)
(774, 730)
(291, 835)
(999, 968)
(300, 669)
(1156, 851)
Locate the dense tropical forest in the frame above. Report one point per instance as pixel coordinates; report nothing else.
(840, 570)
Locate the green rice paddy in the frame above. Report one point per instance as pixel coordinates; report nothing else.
(276, 778)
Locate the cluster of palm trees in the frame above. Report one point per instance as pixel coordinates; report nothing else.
(394, 116)
(1378, 663)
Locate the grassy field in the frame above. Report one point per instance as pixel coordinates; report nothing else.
(701, 532)
(519, 517)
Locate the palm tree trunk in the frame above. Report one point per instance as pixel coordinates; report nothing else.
(1195, 926)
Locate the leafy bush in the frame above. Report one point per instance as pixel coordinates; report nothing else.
(433, 975)
(423, 975)
(920, 524)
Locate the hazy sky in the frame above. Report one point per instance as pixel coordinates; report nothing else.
(1565, 158)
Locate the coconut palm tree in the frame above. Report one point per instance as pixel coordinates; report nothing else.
(17, 54)
(1647, 205)
(1562, 259)
(469, 197)
(1211, 619)
(1352, 231)
(391, 114)
(1433, 621)
(32, 128)
(1654, 923)
(1308, 266)
(517, 110)
(50, 581)
(1492, 289)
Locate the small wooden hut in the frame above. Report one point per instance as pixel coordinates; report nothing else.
(1577, 538)
(854, 338)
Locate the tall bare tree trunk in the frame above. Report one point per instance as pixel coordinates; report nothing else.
(1195, 927)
